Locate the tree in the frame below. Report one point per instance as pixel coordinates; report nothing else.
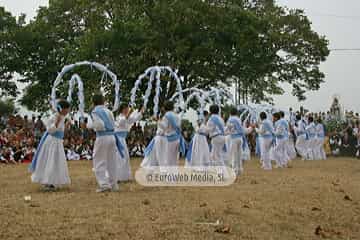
(281, 48)
(257, 44)
(9, 60)
(7, 107)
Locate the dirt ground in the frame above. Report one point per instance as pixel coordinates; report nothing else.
(311, 200)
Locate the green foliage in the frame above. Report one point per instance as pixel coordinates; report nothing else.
(9, 57)
(257, 44)
(7, 107)
(186, 126)
(334, 126)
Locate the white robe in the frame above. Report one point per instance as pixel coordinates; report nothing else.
(170, 155)
(301, 139)
(51, 167)
(124, 124)
(265, 145)
(279, 152)
(105, 154)
(291, 151)
(236, 150)
(311, 131)
(152, 160)
(200, 150)
(218, 156)
(290, 146)
(319, 152)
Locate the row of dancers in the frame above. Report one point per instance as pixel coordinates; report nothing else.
(111, 160)
(220, 143)
(215, 143)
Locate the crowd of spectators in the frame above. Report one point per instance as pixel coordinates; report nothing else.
(19, 137)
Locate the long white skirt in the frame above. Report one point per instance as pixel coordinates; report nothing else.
(311, 148)
(105, 161)
(246, 154)
(51, 167)
(153, 160)
(200, 156)
(265, 148)
(172, 154)
(302, 146)
(279, 153)
(227, 160)
(218, 156)
(235, 155)
(290, 149)
(124, 167)
(319, 152)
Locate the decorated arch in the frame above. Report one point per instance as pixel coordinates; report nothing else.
(153, 75)
(76, 79)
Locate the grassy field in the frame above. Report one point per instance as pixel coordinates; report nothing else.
(310, 200)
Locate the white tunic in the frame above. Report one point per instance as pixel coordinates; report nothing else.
(157, 153)
(265, 141)
(124, 124)
(319, 151)
(170, 154)
(237, 151)
(200, 152)
(311, 131)
(279, 151)
(301, 139)
(105, 154)
(218, 155)
(51, 167)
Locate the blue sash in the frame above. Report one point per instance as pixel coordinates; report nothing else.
(322, 133)
(149, 148)
(311, 134)
(122, 134)
(109, 126)
(120, 147)
(257, 148)
(217, 121)
(177, 136)
(303, 130)
(57, 134)
(239, 131)
(104, 133)
(101, 113)
(284, 124)
(269, 129)
(189, 151)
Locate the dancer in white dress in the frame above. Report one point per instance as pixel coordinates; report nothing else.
(164, 149)
(311, 132)
(279, 151)
(215, 128)
(49, 166)
(319, 152)
(106, 148)
(266, 138)
(290, 145)
(198, 154)
(238, 141)
(122, 127)
(154, 151)
(301, 137)
(175, 143)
